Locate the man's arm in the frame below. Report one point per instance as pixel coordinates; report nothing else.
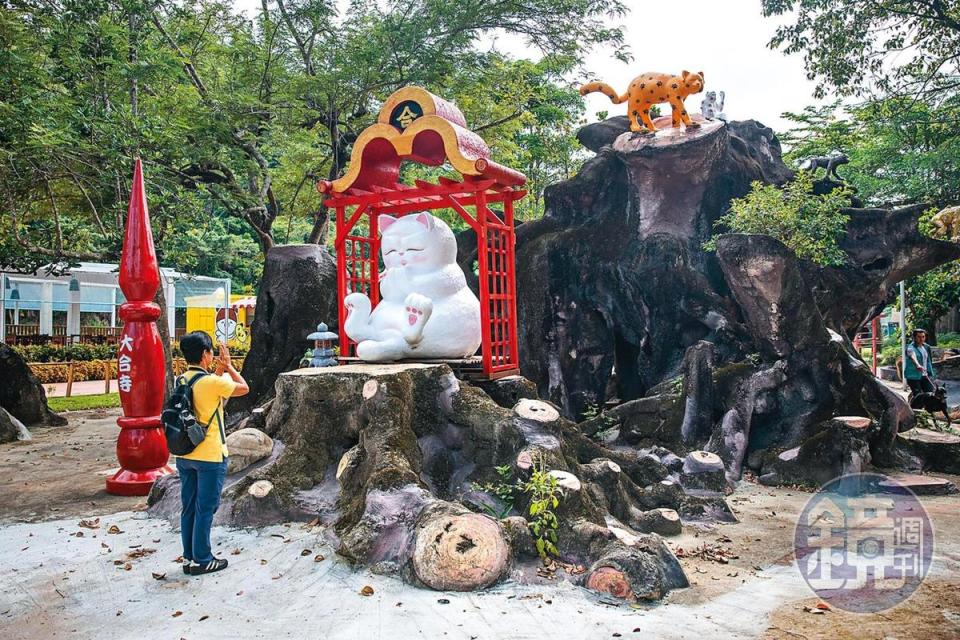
(912, 354)
(225, 365)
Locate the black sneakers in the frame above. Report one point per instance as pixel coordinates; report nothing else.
(217, 564)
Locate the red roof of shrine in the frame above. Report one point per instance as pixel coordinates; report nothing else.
(417, 126)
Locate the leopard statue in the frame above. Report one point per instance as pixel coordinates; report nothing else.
(649, 89)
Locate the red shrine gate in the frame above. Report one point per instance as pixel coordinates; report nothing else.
(415, 125)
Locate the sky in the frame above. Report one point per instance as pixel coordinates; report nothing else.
(726, 39)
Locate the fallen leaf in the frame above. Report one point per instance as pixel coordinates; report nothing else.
(277, 577)
(318, 558)
(823, 605)
(814, 610)
(139, 553)
(158, 576)
(306, 552)
(114, 529)
(240, 593)
(127, 567)
(235, 552)
(443, 601)
(366, 591)
(262, 561)
(90, 524)
(78, 534)
(177, 614)
(202, 618)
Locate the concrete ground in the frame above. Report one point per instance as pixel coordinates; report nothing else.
(118, 578)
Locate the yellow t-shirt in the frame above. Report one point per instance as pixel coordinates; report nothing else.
(208, 395)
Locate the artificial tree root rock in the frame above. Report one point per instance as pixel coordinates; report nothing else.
(459, 553)
(394, 458)
(665, 522)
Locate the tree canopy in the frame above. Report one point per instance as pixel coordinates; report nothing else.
(236, 117)
(897, 64)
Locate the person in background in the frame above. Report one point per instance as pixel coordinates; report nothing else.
(203, 470)
(918, 367)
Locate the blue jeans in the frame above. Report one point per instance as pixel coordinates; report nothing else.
(200, 486)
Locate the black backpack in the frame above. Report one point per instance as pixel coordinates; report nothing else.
(180, 425)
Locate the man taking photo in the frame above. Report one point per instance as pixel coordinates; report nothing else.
(203, 470)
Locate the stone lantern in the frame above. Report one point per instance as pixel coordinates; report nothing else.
(323, 345)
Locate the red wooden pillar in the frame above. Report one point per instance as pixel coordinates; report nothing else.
(141, 445)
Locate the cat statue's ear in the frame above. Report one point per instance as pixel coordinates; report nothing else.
(385, 221)
(425, 219)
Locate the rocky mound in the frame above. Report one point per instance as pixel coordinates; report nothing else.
(416, 474)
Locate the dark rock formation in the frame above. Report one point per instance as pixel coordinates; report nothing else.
(11, 429)
(618, 299)
(21, 393)
(839, 448)
(713, 360)
(298, 290)
(391, 457)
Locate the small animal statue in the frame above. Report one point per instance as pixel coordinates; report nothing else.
(711, 107)
(932, 403)
(946, 224)
(649, 89)
(828, 162)
(426, 309)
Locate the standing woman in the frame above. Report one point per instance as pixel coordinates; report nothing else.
(918, 368)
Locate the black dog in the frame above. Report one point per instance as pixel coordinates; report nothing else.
(932, 402)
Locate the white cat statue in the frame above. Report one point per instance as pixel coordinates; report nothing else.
(711, 107)
(426, 309)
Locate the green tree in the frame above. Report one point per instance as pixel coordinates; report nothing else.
(874, 48)
(931, 295)
(811, 225)
(901, 151)
(237, 118)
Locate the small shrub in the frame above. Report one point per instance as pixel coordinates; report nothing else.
(75, 352)
(810, 225)
(544, 499)
(544, 494)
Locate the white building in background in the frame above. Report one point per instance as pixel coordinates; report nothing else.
(82, 305)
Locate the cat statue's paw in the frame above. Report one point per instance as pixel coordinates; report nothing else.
(357, 302)
(418, 309)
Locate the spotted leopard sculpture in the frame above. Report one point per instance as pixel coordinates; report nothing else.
(649, 89)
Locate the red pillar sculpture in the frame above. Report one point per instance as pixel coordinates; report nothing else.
(141, 446)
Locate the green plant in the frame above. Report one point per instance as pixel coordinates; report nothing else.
(926, 420)
(607, 422)
(544, 495)
(810, 225)
(948, 340)
(505, 489)
(544, 499)
(75, 352)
